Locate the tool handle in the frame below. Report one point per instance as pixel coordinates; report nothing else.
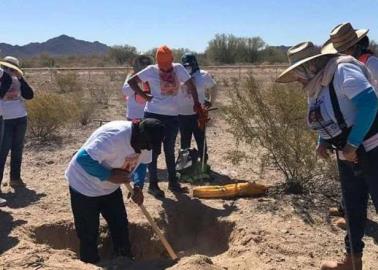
(156, 229)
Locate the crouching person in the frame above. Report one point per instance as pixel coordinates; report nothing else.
(114, 154)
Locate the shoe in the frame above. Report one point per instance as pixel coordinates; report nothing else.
(340, 223)
(336, 212)
(155, 191)
(346, 264)
(124, 252)
(14, 183)
(176, 188)
(3, 202)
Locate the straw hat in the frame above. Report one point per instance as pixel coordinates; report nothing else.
(11, 62)
(298, 55)
(342, 37)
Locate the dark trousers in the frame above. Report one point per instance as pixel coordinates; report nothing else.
(188, 127)
(170, 134)
(356, 189)
(13, 141)
(86, 212)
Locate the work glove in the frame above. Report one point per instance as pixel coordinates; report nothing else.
(203, 115)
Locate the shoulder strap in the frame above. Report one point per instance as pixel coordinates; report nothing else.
(336, 108)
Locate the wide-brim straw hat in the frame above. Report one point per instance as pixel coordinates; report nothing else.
(342, 37)
(298, 55)
(11, 62)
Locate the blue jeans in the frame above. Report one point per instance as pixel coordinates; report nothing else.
(188, 127)
(13, 140)
(356, 190)
(170, 134)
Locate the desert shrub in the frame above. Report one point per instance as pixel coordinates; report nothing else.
(68, 82)
(272, 118)
(99, 93)
(47, 112)
(85, 110)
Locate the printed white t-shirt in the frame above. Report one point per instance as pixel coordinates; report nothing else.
(202, 81)
(134, 103)
(372, 65)
(164, 92)
(13, 105)
(348, 82)
(110, 146)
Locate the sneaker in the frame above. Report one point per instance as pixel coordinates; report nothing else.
(155, 191)
(3, 202)
(124, 252)
(15, 183)
(176, 188)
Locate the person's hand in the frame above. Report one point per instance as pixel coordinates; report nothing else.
(349, 153)
(148, 97)
(322, 151)
(119, 176)
(137, 197)
(18, 74)
(207, 104)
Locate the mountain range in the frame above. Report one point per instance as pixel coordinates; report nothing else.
(59, 46)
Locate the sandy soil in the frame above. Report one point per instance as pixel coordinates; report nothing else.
(275, 231)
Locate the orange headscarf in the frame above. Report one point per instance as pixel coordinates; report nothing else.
(164, 58)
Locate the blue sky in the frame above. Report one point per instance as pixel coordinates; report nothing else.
(181, 23)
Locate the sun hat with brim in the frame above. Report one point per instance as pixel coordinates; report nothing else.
(11, 62)
(298, 55)
(342, 37)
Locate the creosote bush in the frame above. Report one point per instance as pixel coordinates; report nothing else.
(47, 112)
(272, 117)
(68, 82)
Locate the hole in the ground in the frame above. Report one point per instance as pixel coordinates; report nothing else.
(190, 226)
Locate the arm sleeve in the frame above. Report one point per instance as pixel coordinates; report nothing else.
(366, 104)
(145, 74)
(127, 91)
(351, 80)
(91, 166)
(26, 90)
(181, 73)
(139, 175)
(209, 81)
(6, 82)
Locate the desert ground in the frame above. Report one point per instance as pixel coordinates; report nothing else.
(270, 232)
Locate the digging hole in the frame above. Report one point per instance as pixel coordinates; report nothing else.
(190, 227)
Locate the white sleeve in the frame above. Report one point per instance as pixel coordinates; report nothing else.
(209, 81)
(372, 65)
(146, 74)
(127, 90)
(101, 149)
(181, 73)
(351, 80)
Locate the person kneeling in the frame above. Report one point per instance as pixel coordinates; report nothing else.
(114, 154)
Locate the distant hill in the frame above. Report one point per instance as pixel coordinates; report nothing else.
(59, 46)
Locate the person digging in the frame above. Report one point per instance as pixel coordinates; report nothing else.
(113, 155)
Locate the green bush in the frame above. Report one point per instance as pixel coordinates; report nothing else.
(272, 118)
(68, 82)
(47, 112)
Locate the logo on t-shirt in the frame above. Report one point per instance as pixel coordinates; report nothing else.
(169, 84)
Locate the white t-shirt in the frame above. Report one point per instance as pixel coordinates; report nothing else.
(164, 92)
(372, 65)
(134, 103)
(13, 105)
(110, 146)
(348, 81)
(203, 81)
